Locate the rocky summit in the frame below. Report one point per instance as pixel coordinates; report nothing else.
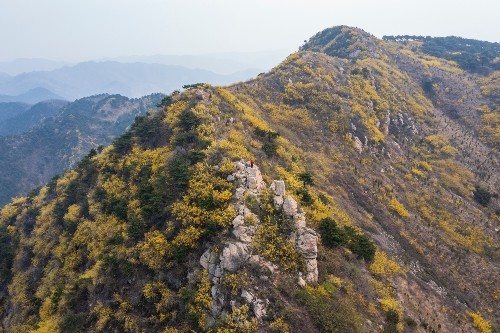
(352, 188)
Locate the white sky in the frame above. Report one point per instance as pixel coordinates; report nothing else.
(75, 30)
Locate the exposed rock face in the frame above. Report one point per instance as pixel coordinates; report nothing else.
(278, 187)
(234, 256)
(307, 241)
(300, 220)
(278, 200)
(241, 231)
(237, 250)
(290, 206)
(208, 261)
(358, 144)
(259, 306)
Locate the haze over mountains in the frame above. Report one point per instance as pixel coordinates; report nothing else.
(36, 98)
(128, 79)
(35, 80)
(23, 65)
(222, 63)
(31, 96)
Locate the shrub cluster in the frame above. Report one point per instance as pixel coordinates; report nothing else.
(334, 236)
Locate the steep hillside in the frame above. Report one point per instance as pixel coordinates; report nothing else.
(52, 136)
(372, 207)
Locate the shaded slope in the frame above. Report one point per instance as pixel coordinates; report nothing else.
(128, 79)
(472, 55)
(11, 109)
(65, 134)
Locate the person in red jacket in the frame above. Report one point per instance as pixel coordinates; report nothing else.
(251, 163)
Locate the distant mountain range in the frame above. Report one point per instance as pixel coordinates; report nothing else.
(31, 96)
(23, 65)
(12, 109)
(89, 78)
(221, 63)
(35, 80)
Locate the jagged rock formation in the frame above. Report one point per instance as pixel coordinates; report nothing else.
(237, 251)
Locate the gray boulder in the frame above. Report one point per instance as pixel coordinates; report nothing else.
(233, 256)
(290, 206)
(300, 220)
(244, 233)
(278, 187)
(307, 243)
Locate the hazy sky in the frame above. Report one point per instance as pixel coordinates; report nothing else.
(75, 30)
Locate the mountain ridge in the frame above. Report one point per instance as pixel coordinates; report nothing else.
(389, 152)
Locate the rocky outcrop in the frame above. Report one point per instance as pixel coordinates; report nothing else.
(236, 251)
(250, 178)
(244, 225)
(259, 306)
(233, 256)
(306, 239)
(290, 206)
(278, 187)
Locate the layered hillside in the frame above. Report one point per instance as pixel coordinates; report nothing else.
(371, 207)
(51, 137)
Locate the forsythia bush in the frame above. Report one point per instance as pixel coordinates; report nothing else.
(398, 207)
(482, 324)
(382, 265)
(154, 249)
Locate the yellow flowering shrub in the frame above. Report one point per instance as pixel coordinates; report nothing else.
(153, 250)
(382, 265)
(480, 323)
(398, 207)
